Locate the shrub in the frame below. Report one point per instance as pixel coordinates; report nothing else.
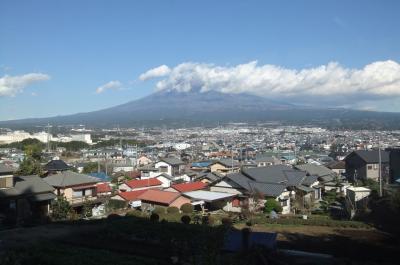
(249, 222)
(172, 210)
(115, 204)
(187, 208)
(135, 213)
(272, 205)
(154, 217)
(207, 220)
(60, 208)
(226, 221)
(185, 219)
(159, 210)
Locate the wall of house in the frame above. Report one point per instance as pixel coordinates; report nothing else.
(230, 208)
(163, 164)
(355, 168)
(372, 171)
(286, 209)
(225, 186)
(219, 168)
(165, 182)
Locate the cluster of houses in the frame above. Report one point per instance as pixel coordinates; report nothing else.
(222, 184)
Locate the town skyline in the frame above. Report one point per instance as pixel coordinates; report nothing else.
(101, 55)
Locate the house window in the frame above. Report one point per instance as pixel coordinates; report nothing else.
(77, 193)
(375, 166)
(284, 203)
(163, 169)
(369, 167)
(88, 192)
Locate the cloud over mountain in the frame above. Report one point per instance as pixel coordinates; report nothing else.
(379, 79)
(12, 85)
(160, 71)
(112, 85)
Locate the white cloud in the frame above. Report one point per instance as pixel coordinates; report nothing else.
(378, 79)
(112, 85)
(160, 71)
(11, 85)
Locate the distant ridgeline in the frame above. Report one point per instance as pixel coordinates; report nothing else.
(174, 109)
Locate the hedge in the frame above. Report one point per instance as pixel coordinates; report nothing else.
(172, 210)
(312, 222)
(187, 208)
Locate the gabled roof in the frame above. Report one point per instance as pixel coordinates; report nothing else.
(69, 178)
(370, 156)
(226, 162)
(131, 195)
(4, 169)
(140, 183)
(208, 196)
(268, 189)
(27, 185)
(103, 188)
(189, 186)
(172, 161)
(336, 165)
(159, 196)
(279, 174)
(316, 170)
(56, 165)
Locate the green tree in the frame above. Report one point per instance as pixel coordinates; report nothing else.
(31, 163)
(29, 166)
(87, 209)
(60, 208)
(272, 205)
(92, 167)
(34, 151)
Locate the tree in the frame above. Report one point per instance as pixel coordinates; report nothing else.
(87, 209)
(31, 163)
(92, 167)
(60, 208)
(29, 166)
(272, 205)
(34, 151)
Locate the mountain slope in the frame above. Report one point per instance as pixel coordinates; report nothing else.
(195, 107)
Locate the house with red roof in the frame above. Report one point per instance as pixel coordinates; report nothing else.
(131, 197)
(152, 198)
(141, 184)
(103, 189)
(188, 186)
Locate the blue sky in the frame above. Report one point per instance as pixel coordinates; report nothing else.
(78, 46)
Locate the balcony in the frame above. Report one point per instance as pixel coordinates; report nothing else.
(78, 201)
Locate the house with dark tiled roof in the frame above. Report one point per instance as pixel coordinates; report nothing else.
(56, 165)
(364, 164)
(75, 187)
(280, 182)
(24, 196)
